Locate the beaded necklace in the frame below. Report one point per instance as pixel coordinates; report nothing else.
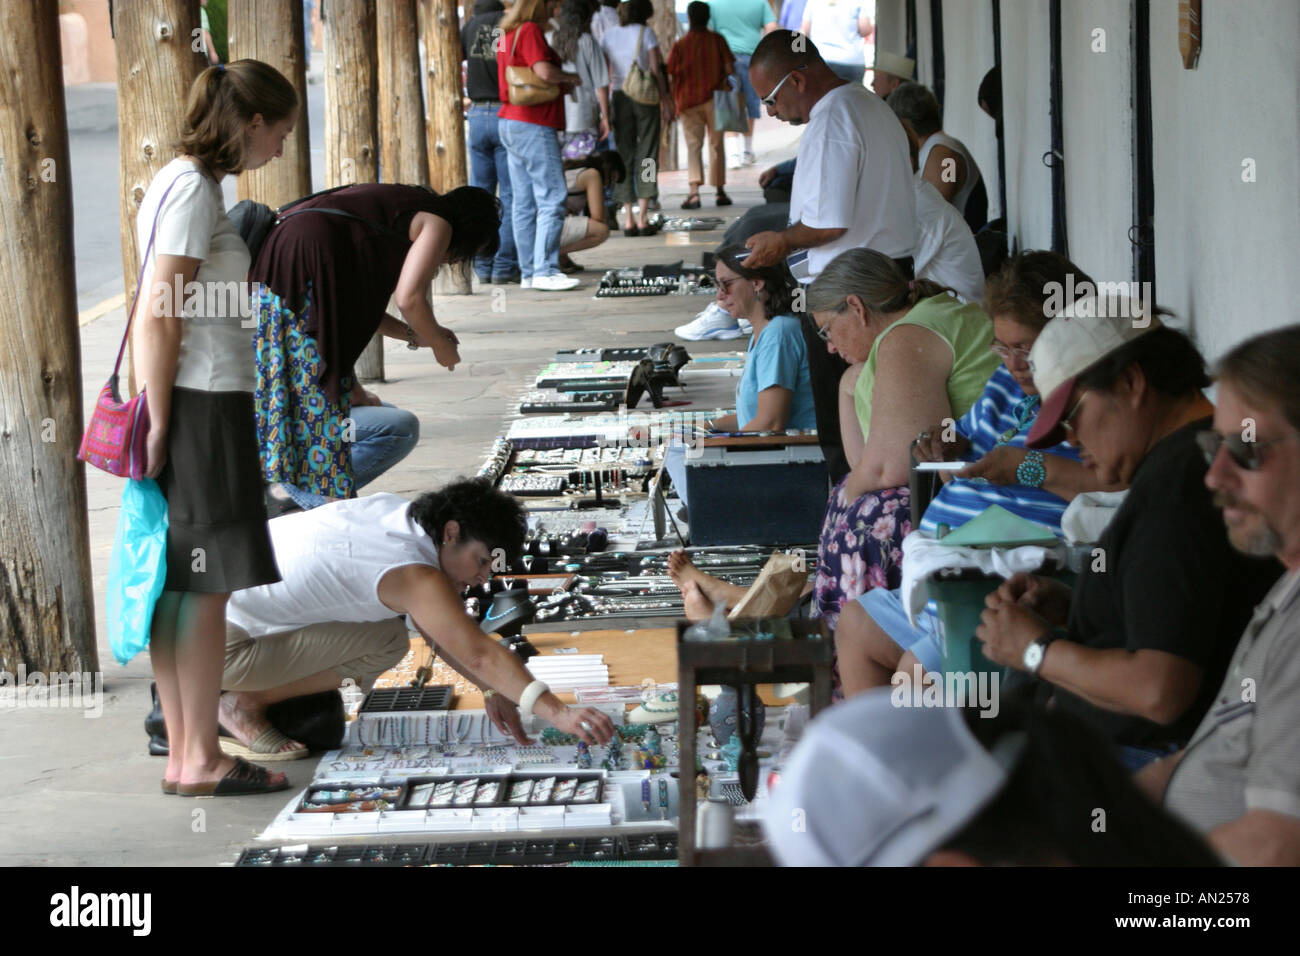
(1025, 409)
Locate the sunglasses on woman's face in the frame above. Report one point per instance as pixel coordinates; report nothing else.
(1244, 454)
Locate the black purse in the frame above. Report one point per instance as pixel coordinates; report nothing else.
(316, 721)
(254, 220)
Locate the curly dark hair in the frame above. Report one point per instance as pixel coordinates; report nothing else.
(475, 218)
(483, 513)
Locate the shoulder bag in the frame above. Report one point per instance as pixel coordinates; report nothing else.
(523, 85)
(115, 438)
(639, 84)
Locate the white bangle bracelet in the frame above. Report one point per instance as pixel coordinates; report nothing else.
(530, 696)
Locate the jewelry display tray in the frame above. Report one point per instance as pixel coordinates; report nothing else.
(621, 805)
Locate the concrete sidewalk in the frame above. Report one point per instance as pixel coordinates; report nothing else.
(80, 791)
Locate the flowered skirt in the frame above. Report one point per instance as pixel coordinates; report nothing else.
(299, 429)
(861, 547)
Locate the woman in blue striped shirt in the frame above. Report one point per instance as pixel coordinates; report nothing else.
(873, 631)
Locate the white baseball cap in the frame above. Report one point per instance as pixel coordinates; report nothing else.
(874, 784)
(1081, 335)
(903, 67)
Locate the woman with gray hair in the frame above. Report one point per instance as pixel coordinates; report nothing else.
(943, 161)
(917, 355)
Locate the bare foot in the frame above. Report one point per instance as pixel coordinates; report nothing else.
(681, 570)
(697, 606)
(245, 717)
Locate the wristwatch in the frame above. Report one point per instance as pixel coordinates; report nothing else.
(411, 342)
(1034, 653)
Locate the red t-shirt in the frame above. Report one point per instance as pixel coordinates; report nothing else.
(532, 46)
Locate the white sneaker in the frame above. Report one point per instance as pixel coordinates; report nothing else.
(745, 327)
(526, 283)
(749, 159)
(556, 282)
(712, 323)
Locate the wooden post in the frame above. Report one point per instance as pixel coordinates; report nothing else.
(403, 151)
(351, 127)
(46, 599)
(272, 31)
(159, 55)
(448, 157)
(666, 29)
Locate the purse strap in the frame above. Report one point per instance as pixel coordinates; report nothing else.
(640, 38)
(144, 260)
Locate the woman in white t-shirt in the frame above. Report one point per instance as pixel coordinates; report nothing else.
(839, 29)
(636, 125)
(194, 360)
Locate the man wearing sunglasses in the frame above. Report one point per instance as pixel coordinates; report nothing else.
(1238, 780)
(1139, 645)
(852, 189)
(853, 183)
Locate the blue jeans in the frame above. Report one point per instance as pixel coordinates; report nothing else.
(752, 104)
(384, 436)
(537, 172)
(489, 169)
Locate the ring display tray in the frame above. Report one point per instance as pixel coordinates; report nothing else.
(404, 699)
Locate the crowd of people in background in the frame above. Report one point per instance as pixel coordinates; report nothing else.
(1172, 670)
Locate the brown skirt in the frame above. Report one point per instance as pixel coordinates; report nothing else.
(217, 539)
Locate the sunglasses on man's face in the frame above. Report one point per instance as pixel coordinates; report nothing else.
(1244, 454)
(770, 99)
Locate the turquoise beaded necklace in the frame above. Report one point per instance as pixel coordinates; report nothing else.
(1025, 410)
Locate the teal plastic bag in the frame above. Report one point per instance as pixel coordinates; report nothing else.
(138, 567)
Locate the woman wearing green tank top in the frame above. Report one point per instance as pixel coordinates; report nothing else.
(917, 356)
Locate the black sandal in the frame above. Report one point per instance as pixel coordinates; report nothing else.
(691, 202)
(241, 780)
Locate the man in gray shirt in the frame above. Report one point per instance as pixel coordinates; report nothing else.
(1238, 779)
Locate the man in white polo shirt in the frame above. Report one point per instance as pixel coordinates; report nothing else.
(1238, 780)
(350, 570)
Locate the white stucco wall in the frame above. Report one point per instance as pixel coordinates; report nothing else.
(968, 55)
(1026, 93)
(1097, 90)
(924, 45)
(891, 26)
(1227, 250)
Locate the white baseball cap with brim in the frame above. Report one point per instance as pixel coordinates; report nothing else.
(901, 66)
(1085, 332)
(874, 784)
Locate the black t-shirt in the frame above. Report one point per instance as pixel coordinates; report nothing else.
(1172, 582)
(478, 49)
